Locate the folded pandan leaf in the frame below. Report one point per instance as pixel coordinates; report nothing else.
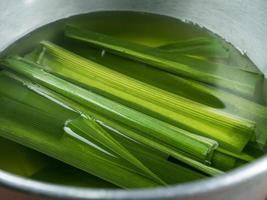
(151, 142)
(87, 127)
(112, 115)
(149, 157)
(233, 104)
(139, 71)
(78, 157)
(160, 149)
(231, 131)
(195, 91)
(64, 143)
(59, 143)
(230, 78)
(197, 146)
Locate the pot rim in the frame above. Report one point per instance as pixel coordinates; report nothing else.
(213, 184)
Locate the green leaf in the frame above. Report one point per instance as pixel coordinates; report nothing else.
(212, 50)
(25, 125)
(87, 126)
(138, 71)
(226, 77)
(242, 156)
(178, 138)
(73, 153)
(64, 146)
(113, 125)
(161, 147)
(232, 132)
(83, 126)
(192, 42)
(195, 91)
(223, 161)
(201, 47)
(233, 104)
(159, 165)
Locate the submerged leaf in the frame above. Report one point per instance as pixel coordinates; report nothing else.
(77, 150)
(207, 95)
(226, 77)
(232, 132)
(86, 126)
(197, 146)
(29, 131)
(12, 154)
(201, 47)
(114, 126)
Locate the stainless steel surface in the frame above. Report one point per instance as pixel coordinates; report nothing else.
(242, 22)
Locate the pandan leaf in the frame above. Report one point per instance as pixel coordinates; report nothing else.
(83, 125)
(223, 161)
(230, 78)
(121, 129)
(139, 71)
(78, 157)
(158, 164)
(212, 50)
(203, 47)
(181, 173)
(87, 126)
(163, 148)
(158, 103)
(242, 156)
(61, 146)
(178, 138)
(201, 93)
(192, 42)
(233, 104)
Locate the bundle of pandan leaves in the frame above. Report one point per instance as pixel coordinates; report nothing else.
(141, 117)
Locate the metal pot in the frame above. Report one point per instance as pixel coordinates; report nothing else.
(241, 22)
